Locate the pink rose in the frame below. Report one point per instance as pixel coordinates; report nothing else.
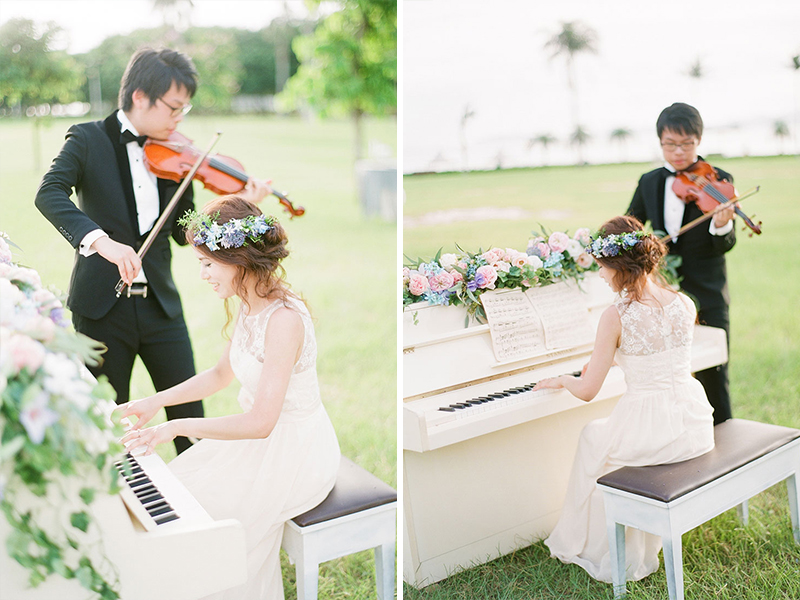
(583, 236)
(585, 260)
(406, 274)
(542, 250)
(5, 252)
(519, 259)
(27, 276)
(558, 241)
(24, 353)
(492, 256)
(457, 277)
(441, 281)
(418, 284)
(485, 277)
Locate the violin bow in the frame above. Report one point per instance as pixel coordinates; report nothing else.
(704, 217)
(120, 287)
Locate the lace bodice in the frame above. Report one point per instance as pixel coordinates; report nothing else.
(655, 344)
(247, 358)
(651, 330)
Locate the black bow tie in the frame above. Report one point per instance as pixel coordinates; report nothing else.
(126, 137)
(668, 173)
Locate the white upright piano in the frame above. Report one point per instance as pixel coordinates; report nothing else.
(486, 461)
(163, 544)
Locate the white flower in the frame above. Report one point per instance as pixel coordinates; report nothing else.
(448, 260)
(574, 249)
(36, 417)
(535, 262)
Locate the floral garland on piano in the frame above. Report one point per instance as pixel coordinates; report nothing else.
(460, 278)
(57, 444)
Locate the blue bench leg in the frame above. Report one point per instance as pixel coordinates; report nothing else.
(384, 571)
(794, 505)
(616, 548)
(673, 564)
(743, 510)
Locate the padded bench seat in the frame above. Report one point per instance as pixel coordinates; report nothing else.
(668, 500)
(359, 514)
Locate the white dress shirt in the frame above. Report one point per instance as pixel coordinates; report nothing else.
(674, 208)
(145, 191)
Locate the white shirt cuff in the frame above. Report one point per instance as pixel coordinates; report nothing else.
(85, 248)
(724, 230)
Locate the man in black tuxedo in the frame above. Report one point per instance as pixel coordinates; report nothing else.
(119, 201)
(703, 248)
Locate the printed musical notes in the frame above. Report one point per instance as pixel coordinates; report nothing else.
(524, 324)
(516, 329)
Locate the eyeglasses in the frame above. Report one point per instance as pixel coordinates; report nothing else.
(685, 146)
(180, 110)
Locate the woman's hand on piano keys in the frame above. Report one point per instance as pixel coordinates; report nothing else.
(149, 437)
(553, 383)
(144, 410)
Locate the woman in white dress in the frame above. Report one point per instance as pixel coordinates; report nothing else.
(664, 415)
(279, 457)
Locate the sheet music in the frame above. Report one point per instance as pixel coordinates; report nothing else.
(564, 313)
(515, 327)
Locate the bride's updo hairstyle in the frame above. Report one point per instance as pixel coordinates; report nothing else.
(258, 261)
(632, 258)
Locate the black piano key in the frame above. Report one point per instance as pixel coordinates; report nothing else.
(149, 498)
(145, 491)
(167, 519)
(161, 511)
(158, 508)
(473, 402)
(447, 409)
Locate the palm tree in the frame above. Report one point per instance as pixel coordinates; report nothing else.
(573, 39)
(781, 131)
(696, 72)
(468, 114)
(621, 135)
(174, 13)
(578, 138)
(544, 140)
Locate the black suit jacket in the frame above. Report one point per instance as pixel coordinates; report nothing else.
(703, 269)
(95, 164)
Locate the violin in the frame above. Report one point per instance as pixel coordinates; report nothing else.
(701, 184)
(174, 157)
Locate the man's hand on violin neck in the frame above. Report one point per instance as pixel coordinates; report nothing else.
(722, 216)
(255, 190)
(125, 257)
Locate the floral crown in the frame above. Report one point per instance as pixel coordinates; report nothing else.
(611, 245)
(233, 234)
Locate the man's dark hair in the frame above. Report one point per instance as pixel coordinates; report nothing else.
(153, 72)
(680, 118)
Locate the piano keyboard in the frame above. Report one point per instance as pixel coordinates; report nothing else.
(143, 496)
(155, 496)
(492, 401)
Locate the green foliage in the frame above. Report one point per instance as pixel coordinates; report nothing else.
(31, 72)
(349, 64)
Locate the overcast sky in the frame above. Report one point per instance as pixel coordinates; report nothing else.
(491, 56)
(88, 22)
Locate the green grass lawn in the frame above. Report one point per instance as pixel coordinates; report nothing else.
(721, 558)
(354, 311)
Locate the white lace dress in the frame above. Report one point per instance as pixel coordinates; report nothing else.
(663, 417)
(263, 483)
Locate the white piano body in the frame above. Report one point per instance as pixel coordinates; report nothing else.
(184, 559)
(483, 481)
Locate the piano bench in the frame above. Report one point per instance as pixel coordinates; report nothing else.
(669, 500)
(359, 514)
